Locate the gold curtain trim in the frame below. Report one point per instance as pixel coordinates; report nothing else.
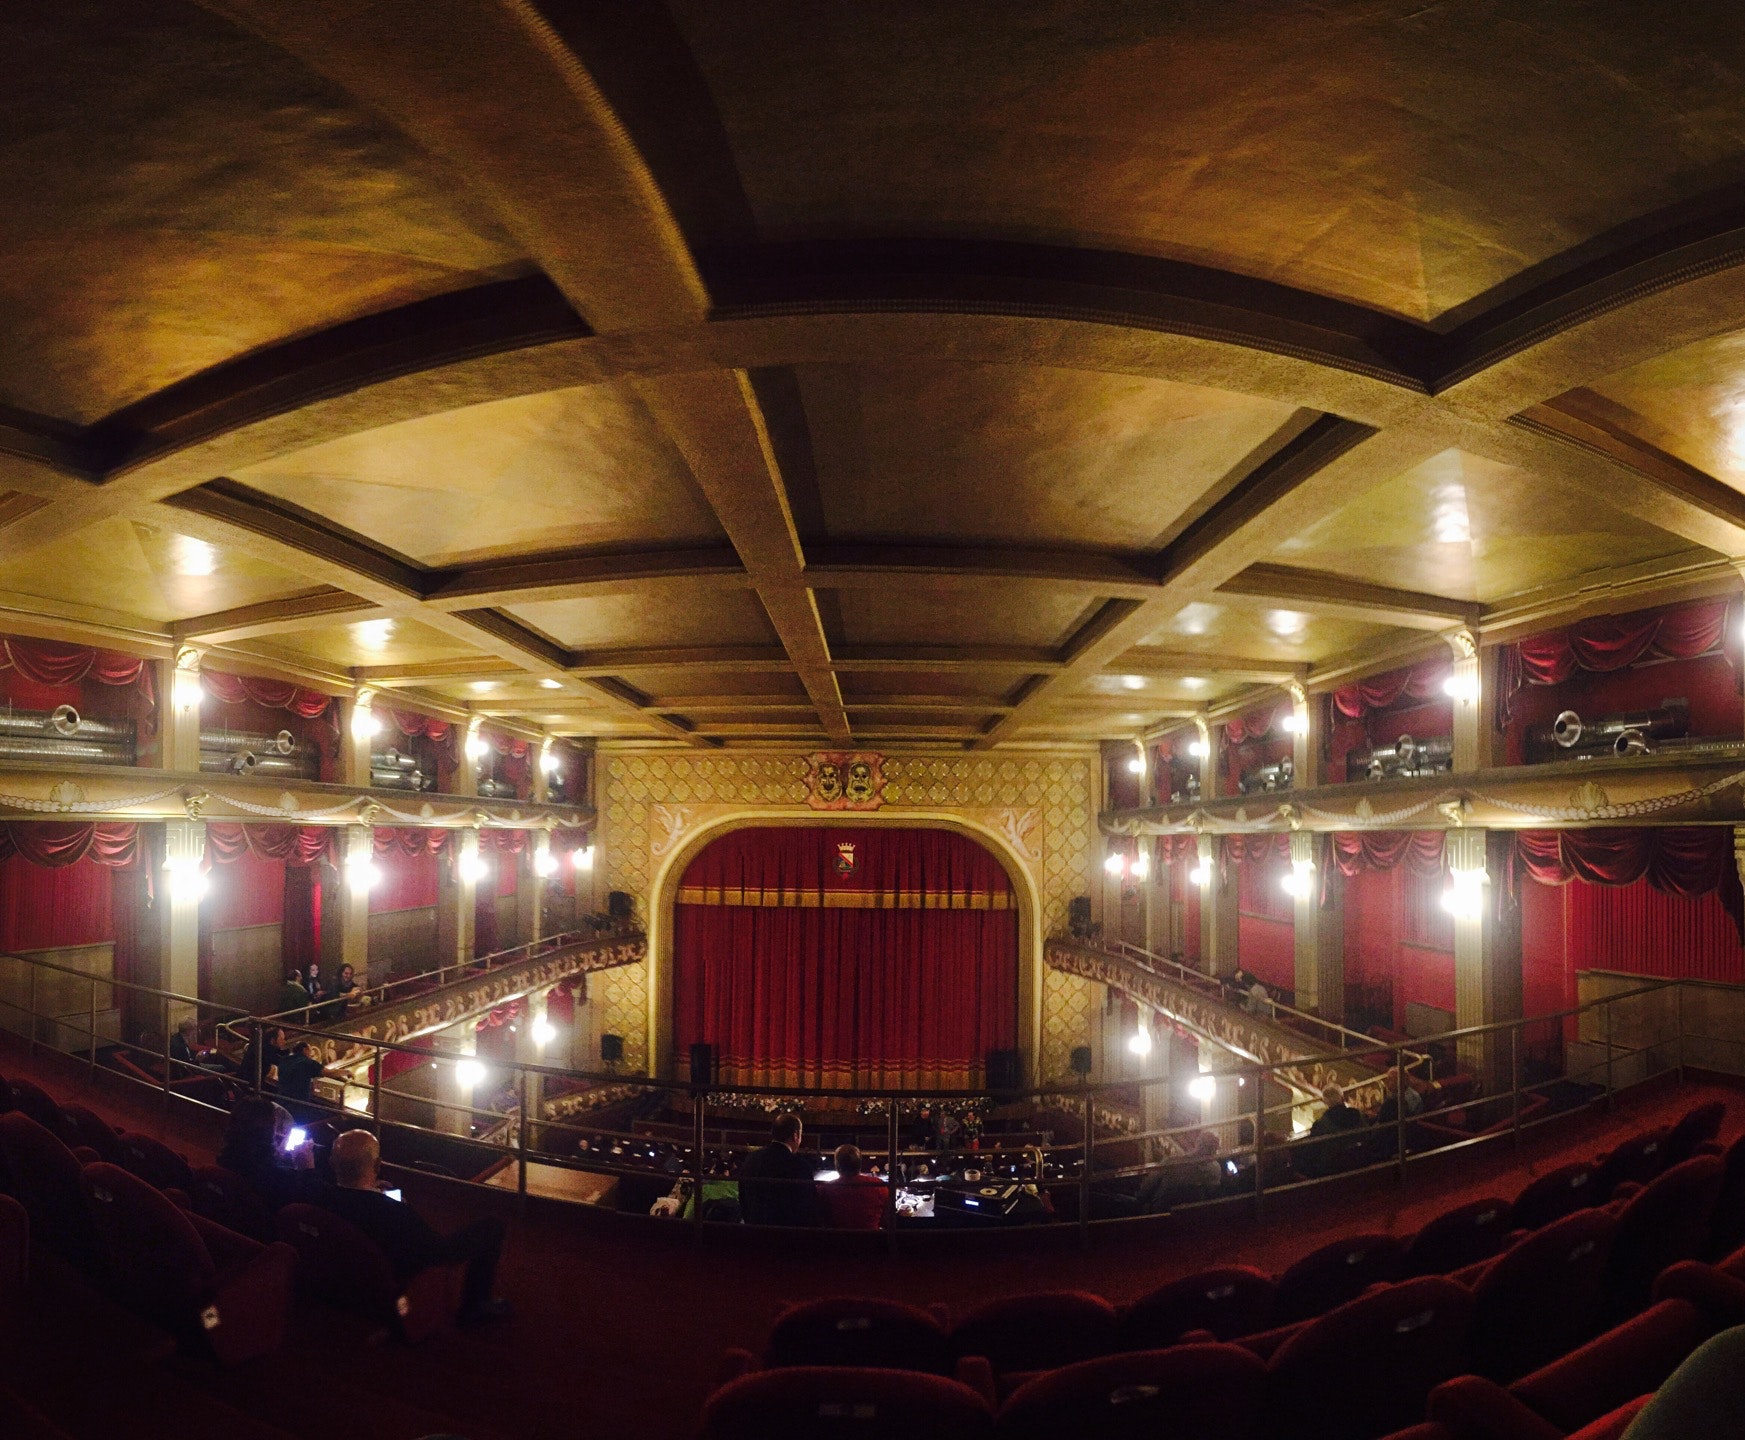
(845, 899)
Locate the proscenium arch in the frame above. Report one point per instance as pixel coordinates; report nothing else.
(664, 892)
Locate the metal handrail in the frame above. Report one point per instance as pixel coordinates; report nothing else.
(1069, 1164)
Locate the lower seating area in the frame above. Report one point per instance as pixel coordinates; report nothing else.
(620, 1328)
(1541, 1314)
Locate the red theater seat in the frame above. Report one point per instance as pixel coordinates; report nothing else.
(44, 1175)
(195, 1277)
(1186, 1391)
(1635, 1162)
(855, 1330)
(1697, 1127)
(1665, 1222)
(1594, 1389)
(1543, 1297)
(1366, 1368)
(1229, 1301)
(826, 1403)
(14, 1251)
(37, 1103)
(81, 1127)
(1335, 1273)
(1022, 1333)
(227, 1199)
(340, 1264)
(1553, 1195)
(1728, 1225)
(155, 1163)
(1463, 1236)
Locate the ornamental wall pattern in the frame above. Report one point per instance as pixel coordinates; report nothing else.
(1043, 803)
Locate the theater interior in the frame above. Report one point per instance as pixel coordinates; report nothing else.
(1135, 613)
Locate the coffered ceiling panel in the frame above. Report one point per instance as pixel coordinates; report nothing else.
(1354, 150)
(881, 685)
(1472, 529)
(664, 684)
(1169, 690)
(1689, 403)
(364, 642)
(991, 612)
(667, 612)
(141, 570)
(1019, 454)
(1227, 626)
(569, 469)
(174, 193)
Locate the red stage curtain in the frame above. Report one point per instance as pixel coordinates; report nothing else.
(1610, 642)
(1414, 682)
(1644, 930)
(410, 839)
(1420, 851)
(53, 842)
(901, 971)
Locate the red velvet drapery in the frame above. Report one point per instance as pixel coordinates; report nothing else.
(846, 956)
(1687, 860)
(269, 694)
(289, 844)
(57, 882)
(1422, 681)
(1420, 851)
(1610, 642)
(300, 927)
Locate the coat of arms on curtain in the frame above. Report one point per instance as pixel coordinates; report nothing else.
(845, 780)
(847, 862)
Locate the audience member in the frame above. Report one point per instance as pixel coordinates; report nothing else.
(293, 995)
(775, 1183)
(1388, 1112)
(186, 1049)
(262, 1057)
(1337, 1119)
(254, 1148)
(313, 982)
(346, 986)
(1259, 1001)
(854, 1200)
(297, 1071)
(403, 1235)
(1184, 1179)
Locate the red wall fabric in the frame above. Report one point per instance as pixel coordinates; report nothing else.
(1644, 931)
(1547, 980)
(409, 882)
(249, 890)
(44, 907)
(900, 971)
(1268, 949)
(1710, 683)
(300, 926)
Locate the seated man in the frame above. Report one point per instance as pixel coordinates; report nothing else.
(775, 1183)
(298, 1070)
(187, 1051)
(1337, 1119)
(254, 1148)
(265, 1052)
(1388, 1112)
(854, 1200)
(403, 1236)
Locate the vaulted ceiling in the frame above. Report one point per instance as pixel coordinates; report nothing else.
(996, 371)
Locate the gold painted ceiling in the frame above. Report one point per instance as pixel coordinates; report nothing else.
(990, 372)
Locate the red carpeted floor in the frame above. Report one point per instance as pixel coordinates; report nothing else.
(619, 1325)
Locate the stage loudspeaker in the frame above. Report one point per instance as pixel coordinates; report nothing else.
(619, 905)
(702, 1063)
(1078, 915)
(611, 1048)
(1005, 1070)
(1081, 1060)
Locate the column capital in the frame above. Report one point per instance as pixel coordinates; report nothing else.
(1465, 848)
(1463, 642)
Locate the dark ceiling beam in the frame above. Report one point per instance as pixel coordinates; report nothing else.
(720, 421)
(275, 617)
(867, 565)
(570, 576)
(1318, 592)
(1155, 661)
(1300, 472)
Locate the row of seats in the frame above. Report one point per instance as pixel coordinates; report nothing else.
(1389, 1358)
(1516, 1286)
(192, 1248)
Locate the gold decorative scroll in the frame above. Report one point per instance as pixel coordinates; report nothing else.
(775, 899)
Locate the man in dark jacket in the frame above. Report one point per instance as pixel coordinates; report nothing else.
(402, 1234)
(775, 1183)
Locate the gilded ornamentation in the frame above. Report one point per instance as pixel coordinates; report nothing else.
(845, 780)
(65, 795)
(1589, 796)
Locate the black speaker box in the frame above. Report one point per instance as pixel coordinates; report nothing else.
(1078, 915)
(1005, 1070)
(702, 1063)
(619, 905)
(1081, 1060)
(611, 1048)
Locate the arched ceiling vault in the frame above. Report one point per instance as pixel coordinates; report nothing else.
(660, 370)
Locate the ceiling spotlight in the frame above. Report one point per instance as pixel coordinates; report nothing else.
(1193, 682)
(1136, 766)
(551, 684)
(484, 686)
(1133, 682)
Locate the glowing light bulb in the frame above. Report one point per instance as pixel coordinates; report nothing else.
(1140, 1043)
(1199, 749)
(361, 873)
(1115, 865)
(1300, 883)
(1203, 1088)
(1201, 874)
(544, 1032)
(545, 863)
(186, 691)
(1464, 897)
(1140, 869)
(477, 746)
(474, 868)
(583, 859)
(468, 1074)
(1296, 724)
(1136, 766)
(1463, 688)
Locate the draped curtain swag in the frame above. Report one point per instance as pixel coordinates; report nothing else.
(409, 723)
(1257, 848)
(1357, 851)
(43, 662)
(294, 844)
(1422, 681)
(1689, 861)
(57, 843)
(271, 694)
(1611, 642)
(1255, 725)
(409, 839)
